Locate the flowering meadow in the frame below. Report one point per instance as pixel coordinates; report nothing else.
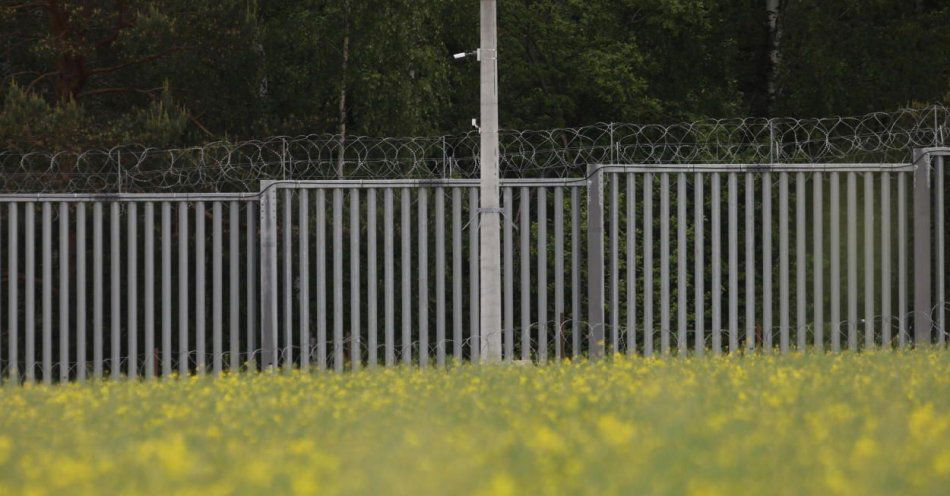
(871, 423)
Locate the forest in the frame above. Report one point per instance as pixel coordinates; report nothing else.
(77, 75)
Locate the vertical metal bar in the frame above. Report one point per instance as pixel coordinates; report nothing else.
(542, 248)
(941, 266)
(665, 263)
(322, 274)
(681, 251)
(716, 233)
(439, 276)
(750, 261)
(835, 275)
(902, 258)
(852, 262)
(388, 285)
(886, 280)
(217, 348)
(595, 261)
(648, 264)
(614, 262)
(48, 294)
(423, 294)
(783, 260)
(251, 290)
(287, 324)
(575, 272)
(30, 320)
(631, 265)
(268, 213)
(96, 284)
(166, 288)
(457, 273)
(338, 280)
(524, 253)
(371, 282)
(115, 291)
(558, 269)
(801, 325)
(183, 288)
(355, 317)
(201, 355)
(868, 260)
(699, 266)
(733, 213)
(767, 261)
(405, 228)
(819, 259)
(474, 280)
(923, 319)
(148, 296)
(509, 275)
(64, 291)
(234, 260)
(13, 310)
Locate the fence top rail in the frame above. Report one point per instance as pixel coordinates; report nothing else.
(417, 183)
(754, 168)
(125, 197)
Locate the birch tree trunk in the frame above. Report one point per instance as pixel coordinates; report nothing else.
(773, 11)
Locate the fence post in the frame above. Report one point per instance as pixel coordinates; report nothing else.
(595, 260)
(268, 212)
(923, 320)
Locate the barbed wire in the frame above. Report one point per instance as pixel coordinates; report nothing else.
(225, 166)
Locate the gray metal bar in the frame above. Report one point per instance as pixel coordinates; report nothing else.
(852, 262)
(733, 212)
(30, 319)
(457, 273)
(558, 269)
(115, 291)
(321, 241)
(13, 310)
(575, 272)
(47, 294)
(542, 248)
(716, 234)
(473, 268)
(235, 304)
(923, 318)
(372, 317)
(355, 317)
(902, 259)
(783, 260)
(288, 296)
(523, 252)
(767, 261)
(388, 286)
(423, 294)
(886, 241)
(868, 260)
(614, 251)
(509, 275)
(941, 266)
(681, 251)
(97, 295)
(647, 264)
(64, 291)
(699, 266)
(801, 324)
(439, 276)
(631, 265)
(405, 228)
(595, 262)
(750, 209)
(268, 236)
(818, 210)
(166, 289)
(183, 288)
(148, 296)
(338, 280)
(251, 289)
(665, 263)
(835, 275)
(201, 351)
(751, 168)
(217, 290)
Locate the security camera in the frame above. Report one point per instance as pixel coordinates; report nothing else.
(459, 56)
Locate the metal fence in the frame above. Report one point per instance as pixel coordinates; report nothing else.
(629, 258)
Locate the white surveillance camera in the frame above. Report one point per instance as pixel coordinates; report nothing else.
(459, 56)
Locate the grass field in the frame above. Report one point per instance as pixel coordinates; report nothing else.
(874, 423)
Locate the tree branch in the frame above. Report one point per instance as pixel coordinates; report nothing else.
(141, 60)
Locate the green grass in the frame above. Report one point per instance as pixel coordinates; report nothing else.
(873, 423)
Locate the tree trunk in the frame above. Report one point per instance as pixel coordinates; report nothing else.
(773, 11)
(346, 61)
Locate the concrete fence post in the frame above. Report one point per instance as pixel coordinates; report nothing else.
(268, 212)
(595, 260)
(923, 277)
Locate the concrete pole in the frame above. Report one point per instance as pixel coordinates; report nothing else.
(923, 276)
(490, 213)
